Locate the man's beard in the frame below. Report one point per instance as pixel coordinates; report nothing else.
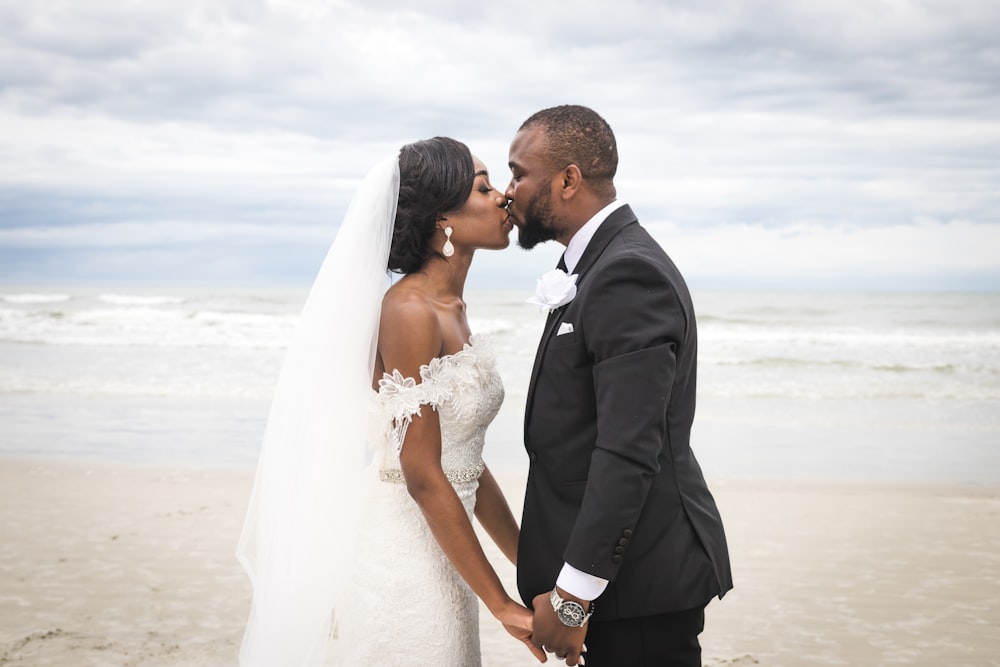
(537, 226)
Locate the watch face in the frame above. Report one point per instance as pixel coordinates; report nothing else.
(571, 613)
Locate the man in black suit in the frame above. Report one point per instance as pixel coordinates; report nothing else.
(618, 520)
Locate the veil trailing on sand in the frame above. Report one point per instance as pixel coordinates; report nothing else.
(296, 542)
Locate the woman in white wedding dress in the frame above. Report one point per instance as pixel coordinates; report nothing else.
(387, 548)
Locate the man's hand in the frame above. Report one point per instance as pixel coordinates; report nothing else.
(552, 636)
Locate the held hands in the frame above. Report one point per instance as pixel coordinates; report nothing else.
(551, 635)
(517, 621)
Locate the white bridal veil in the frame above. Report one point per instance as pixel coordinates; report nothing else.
(296, 540)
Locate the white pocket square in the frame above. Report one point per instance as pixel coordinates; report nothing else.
(564, 328)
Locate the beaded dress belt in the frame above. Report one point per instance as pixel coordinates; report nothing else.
(454, 475)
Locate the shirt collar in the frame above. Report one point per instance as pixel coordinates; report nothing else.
(580, 240)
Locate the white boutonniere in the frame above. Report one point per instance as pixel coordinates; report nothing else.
(553, 290)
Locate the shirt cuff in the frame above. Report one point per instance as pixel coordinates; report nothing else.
(580, 584)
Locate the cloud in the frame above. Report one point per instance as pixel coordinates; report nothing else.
(928, 255)
(165, 232)
(745, 122)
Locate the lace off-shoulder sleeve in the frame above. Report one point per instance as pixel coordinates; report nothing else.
(401, 398)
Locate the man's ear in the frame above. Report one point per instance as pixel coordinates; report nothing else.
(572, 179)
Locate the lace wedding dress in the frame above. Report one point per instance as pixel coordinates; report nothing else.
(406, 604)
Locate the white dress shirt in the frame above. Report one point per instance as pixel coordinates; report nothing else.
(580, 240)
(575, 582)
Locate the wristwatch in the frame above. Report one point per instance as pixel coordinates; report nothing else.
(569, 612)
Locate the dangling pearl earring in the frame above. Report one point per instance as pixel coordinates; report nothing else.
(448, 249)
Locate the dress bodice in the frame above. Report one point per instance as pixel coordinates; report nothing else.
(465, 389)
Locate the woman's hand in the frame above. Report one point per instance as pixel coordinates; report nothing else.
(517, 621)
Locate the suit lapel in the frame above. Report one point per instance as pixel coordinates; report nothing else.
(607, 231)
(554, 318)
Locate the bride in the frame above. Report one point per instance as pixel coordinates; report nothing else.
(382, 555)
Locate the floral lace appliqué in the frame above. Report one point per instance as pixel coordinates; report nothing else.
(401, 398)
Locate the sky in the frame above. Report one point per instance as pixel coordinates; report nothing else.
(825, 145)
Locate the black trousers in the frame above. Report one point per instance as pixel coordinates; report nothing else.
(666, 640)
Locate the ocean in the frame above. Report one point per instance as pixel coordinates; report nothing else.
(847, 386)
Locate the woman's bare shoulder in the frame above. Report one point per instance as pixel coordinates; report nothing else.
(406, 305)
(409, 329)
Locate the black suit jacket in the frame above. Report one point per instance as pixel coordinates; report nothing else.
(613, 487)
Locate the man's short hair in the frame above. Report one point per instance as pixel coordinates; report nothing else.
(577, 135)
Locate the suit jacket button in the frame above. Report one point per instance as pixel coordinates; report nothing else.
(617, 558)
(623, 541)
(627, 532)
(619, 550)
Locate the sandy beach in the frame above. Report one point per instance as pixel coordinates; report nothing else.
(115, 565)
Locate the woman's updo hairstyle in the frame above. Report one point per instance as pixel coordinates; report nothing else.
(435, 177)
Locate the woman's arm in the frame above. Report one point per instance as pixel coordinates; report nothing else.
(410, 337)
(450, 525)
(426, 483)
(495, 516)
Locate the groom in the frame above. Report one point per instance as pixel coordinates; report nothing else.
(618, 521)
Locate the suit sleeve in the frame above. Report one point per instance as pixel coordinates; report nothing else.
(633, 324)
